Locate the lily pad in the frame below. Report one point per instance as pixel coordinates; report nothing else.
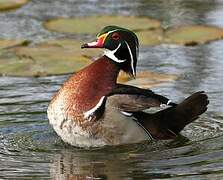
(93, 24)
(14, 66)
(60, 57)
(193, 35)
(6, 43)
(150, 37)
(6, 5)
(146, 79)
(47, 58)
(72, 45)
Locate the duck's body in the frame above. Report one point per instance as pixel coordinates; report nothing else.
(69, 106)
(91, 109)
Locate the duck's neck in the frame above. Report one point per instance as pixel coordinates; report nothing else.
(95, 81)
(103, 70)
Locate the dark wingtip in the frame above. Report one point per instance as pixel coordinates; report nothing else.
(190, 109)
(198, 101)
(168, 123)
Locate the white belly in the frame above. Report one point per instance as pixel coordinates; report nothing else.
(114, 129)
(68, 130)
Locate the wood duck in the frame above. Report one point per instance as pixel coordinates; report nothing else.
(92, 109)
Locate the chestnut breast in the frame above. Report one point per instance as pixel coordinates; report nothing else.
(83, 90)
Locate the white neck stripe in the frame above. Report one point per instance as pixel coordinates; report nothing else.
(130, 52)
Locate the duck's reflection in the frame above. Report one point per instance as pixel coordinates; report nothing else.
(114, 162)
(81, 165)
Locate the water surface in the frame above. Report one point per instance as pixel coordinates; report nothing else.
(30, 149)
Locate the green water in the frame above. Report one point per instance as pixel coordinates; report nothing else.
(30, 149)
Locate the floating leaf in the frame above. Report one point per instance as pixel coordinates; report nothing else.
(47, 58)
(193, 35)
(6, 5)
(16, 67)
(146, 79)
(72, 45)
(93, 24)
(6, 43)
(59, 57)
(150, 37)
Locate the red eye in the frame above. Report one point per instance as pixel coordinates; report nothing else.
(115, 36)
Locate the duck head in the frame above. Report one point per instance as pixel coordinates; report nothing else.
(121, 46)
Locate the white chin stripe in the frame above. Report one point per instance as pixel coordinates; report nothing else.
(91, 111)
(111, 54)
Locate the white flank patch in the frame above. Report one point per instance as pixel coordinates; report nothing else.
(126, 113)
(168, 102)
(111, 54)
(164, 105)
(91, 111)
(132, 65)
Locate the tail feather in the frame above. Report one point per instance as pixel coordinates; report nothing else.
(167, 123)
